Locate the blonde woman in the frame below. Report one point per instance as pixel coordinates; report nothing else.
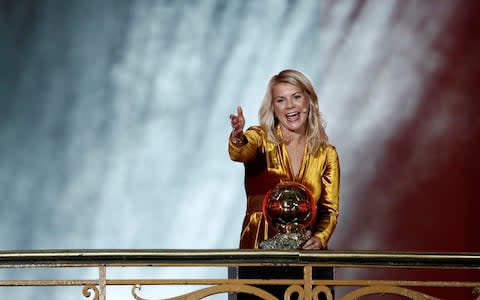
(290, 144)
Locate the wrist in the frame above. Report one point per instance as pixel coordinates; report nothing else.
(238, 141)
(322, 239)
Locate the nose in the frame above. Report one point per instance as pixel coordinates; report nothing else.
(290, 103)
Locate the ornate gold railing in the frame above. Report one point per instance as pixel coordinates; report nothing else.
(306, 288)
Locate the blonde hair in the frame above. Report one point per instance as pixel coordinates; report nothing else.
(316, 135)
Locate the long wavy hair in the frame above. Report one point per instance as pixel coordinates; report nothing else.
(316, 135)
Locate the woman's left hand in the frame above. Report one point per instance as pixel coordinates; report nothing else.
(313, 242)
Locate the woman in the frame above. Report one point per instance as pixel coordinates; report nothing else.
(289, 145)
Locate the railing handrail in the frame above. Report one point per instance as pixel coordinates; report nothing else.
(235, 257)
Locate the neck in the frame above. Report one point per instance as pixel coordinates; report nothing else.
(293, 137)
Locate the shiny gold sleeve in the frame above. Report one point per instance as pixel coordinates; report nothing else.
(329, 199)
(247, 151)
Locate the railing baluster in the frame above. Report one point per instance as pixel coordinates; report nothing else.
(102, 274)
(308, 277)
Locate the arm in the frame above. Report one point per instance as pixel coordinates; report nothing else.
(247, 149)
(327, 204)
(241, 146)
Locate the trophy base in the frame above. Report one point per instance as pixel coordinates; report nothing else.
(292, 240)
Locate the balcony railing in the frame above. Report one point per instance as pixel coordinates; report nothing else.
(304, 288)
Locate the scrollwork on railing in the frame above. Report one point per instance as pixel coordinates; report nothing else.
(87, 291)
(476, 292)
(294, 289)
(299, 292)
(136, 288)
(226, 288)
(321, 289)
(392, 290)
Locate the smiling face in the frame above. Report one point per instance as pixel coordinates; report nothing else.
(290, 107)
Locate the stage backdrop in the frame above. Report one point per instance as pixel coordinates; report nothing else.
(114, 121)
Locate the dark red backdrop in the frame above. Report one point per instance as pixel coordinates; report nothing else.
(438, 208)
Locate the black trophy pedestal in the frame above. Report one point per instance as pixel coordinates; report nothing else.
(278, 291)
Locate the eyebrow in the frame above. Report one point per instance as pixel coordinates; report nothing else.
(299, 92)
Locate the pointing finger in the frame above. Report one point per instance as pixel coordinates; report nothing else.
(239, 111)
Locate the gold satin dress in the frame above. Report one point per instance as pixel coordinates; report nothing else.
(266, 165)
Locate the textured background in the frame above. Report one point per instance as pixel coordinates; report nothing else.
(114, 120)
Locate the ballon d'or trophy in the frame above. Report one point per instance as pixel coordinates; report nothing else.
(290, 208)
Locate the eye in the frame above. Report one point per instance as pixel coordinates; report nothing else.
(297, 96)
(279, 100)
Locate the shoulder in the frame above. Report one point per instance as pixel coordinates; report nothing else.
(256, 131)
(330, 150)
(256, 135)
(332, 155)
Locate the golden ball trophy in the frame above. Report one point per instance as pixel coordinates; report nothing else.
(290, 208)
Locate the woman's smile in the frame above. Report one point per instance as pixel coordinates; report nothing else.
(290, 106)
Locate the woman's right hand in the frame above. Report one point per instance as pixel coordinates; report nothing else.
(238, 122)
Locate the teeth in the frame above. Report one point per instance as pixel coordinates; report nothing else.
(292, 114)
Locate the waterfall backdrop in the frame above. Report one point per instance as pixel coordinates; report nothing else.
(114, 120)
